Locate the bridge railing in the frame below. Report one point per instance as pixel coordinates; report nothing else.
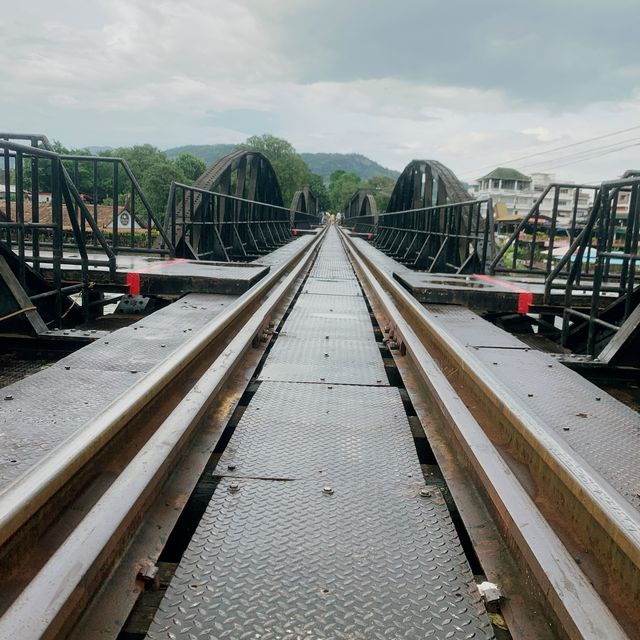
(110, 192)
(602, 260)
(207, 225)
(532, 246)
(117, 203)
(37, 231)
(454, 238)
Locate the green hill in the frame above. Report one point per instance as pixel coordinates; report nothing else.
(208, 153)
(324, 164)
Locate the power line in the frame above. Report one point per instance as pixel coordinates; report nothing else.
(599, 155)
(575, 156)
(553, 150)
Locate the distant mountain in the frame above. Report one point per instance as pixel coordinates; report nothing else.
(324, 164)
(208, 153)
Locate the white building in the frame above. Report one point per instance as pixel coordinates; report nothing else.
(519, 192)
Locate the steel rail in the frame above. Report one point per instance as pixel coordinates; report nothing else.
(575, 603)
(29, 492)
(61, 586)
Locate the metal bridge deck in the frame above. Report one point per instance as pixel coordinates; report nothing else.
(47, 407)
(491, 294)
(153, 275)
(599, 428)
(318, 528)
(602, 430)
(44, 409)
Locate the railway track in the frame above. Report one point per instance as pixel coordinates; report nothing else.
(78, 530)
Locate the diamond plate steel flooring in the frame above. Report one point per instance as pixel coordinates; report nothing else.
(49, 406)
(333, 360)
(599, 428)
(323, 432)
(318, 528)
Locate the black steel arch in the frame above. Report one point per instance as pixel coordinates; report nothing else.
(426, 183)
(250, 179)
(304, 201)
(361, 204)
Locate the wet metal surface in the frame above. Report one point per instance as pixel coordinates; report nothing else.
(602, 430)
(47, 407)
(325, 529)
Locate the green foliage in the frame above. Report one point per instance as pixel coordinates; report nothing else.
(156, 181)
(320, 190)
(325, 164)
(292, 171)
(208, 153)
(381, 188)
(139, 157)
(342, 185)
(191, 167)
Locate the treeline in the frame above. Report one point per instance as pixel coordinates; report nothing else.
(155, 172)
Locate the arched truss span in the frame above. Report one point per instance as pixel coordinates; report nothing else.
(431, 221)
(250, 219)
(426, 183)
(304, 202)
(362, 204)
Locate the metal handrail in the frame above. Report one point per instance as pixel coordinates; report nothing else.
(236, 228)
(456, 236)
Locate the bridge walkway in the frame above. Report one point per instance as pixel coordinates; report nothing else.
(322, 525)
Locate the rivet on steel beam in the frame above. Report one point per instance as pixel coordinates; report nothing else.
(134, 371)
(327, 491)
(233, 487)
(8, 397)
(326, 355)
(530, 395)
(231, 467)
(67, 367)
(425, 493)
(163, 345)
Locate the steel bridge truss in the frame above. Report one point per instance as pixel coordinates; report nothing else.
(597, 270)
(431, 222)
(227, 227)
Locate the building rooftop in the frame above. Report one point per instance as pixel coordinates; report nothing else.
(504, 173)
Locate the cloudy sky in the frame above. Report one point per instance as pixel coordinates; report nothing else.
(472, 84)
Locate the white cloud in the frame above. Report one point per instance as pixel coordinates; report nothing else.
(200, 71)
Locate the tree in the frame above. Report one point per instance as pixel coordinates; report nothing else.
(320, 191)
(342, 185)
(139, 157)
(155, 183)
(292, 171)
(381, 188)
(191, 167)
